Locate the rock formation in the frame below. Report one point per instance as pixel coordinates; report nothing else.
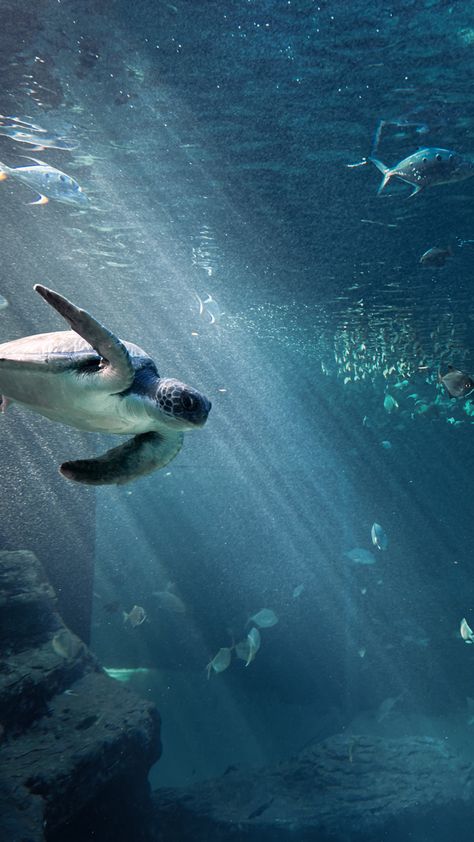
(356, 788)
(75, 746)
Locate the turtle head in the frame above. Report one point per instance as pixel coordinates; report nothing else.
(183, 406)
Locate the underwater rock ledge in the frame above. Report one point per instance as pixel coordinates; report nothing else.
(75, 746)
(357, 788)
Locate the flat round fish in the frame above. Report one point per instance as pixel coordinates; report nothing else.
(360, 556)
(457, 383)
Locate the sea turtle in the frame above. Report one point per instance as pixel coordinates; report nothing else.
(89, 379)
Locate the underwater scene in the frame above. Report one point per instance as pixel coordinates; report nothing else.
(236, 428)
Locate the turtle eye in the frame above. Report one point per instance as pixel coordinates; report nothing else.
(62, 178)
(188, 402)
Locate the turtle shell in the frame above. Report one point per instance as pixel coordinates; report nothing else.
(61, 350)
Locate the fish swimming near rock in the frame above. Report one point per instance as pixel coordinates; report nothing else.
(457, 383)
(135, 617)
(125, 674)
(387, 706)
(379, 537)
(436, 257)
(47, 182)
(66, 644)
(427, 168)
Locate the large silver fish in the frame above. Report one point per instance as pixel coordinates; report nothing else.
(47, 182)
(426, 168)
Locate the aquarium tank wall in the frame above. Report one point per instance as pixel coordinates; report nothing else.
(237, 392)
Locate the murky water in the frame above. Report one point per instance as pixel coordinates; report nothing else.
(229, 234)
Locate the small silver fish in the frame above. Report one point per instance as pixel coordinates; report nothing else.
(436, 256)
(466, 632)
(427, 168)
(47, 181)
(136, 616)
(390, 404)
(209, 309)
(220, 662)
(457, 383)
(247, 649)
(264, 619)
(36, 141)
(253, 639)
(379, 538)
(66, 644)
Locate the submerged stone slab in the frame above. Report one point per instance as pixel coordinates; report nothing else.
(345, 788)
(68, 732)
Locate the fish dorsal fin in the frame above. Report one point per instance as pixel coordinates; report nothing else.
(43, 200)
(119, 374)
(37, 161)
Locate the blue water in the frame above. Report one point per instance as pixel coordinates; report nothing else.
(213, 143)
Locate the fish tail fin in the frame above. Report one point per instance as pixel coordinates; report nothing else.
(125, 616)
(386, 172)
(43, 200)
(4, 170)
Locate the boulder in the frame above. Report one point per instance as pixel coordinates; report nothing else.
(349, 787)
(73, 741)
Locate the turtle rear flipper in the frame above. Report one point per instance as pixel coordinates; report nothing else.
(119, 374)
(137, 457)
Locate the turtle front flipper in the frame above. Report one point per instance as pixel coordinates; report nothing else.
(138, 456)
(119, 374)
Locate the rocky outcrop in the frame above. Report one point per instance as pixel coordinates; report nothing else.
(73, 742)
(345, 788)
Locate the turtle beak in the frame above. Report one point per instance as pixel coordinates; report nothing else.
(201, 412)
